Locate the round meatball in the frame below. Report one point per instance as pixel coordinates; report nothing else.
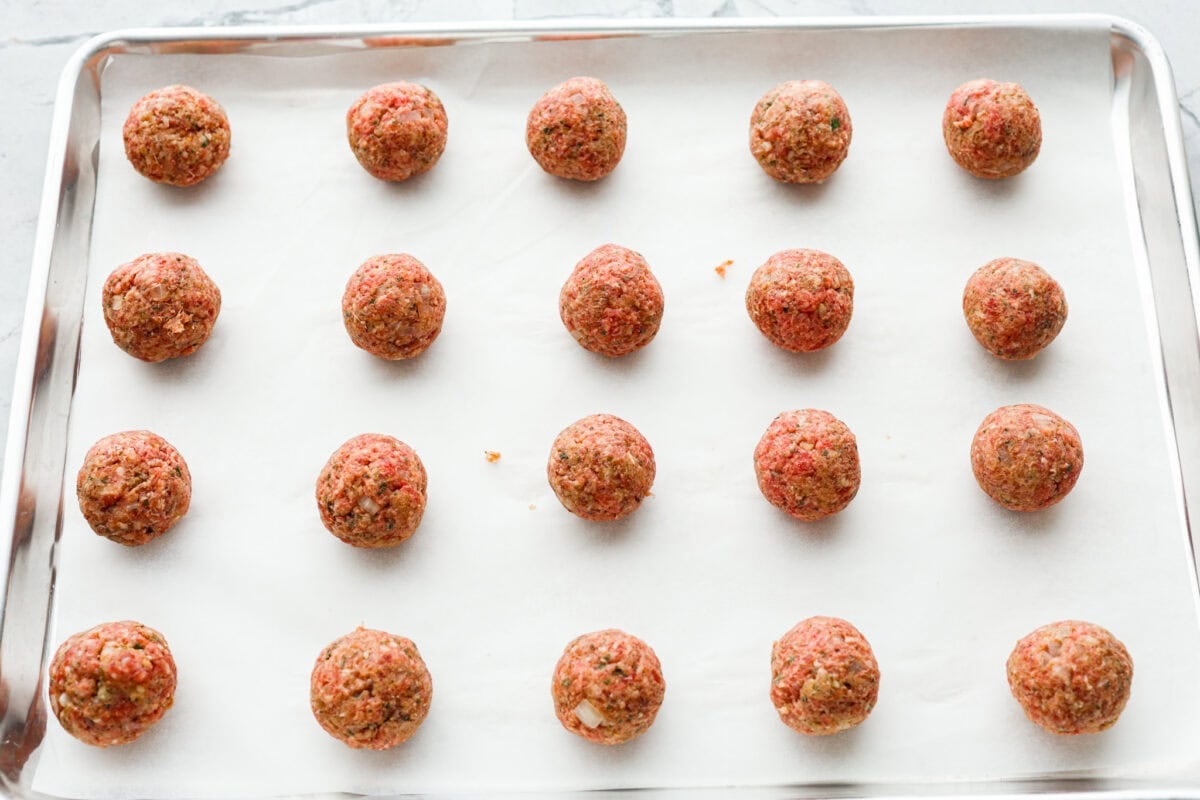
(160, 306)
(370, 689)
(397, 130)
(800, 132)
(807, 464)
(176, 135)
(992, 130)
(393, 307)
(801, 300)
(1071, 677)
(133, 487)
(371, 492)
(110, 684)
(1014, 308)
(612, 303)
(601, 468)
(577, 130)
(824, 677)
(607, 687)
(1026, 457)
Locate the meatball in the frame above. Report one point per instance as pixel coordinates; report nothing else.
(397, 130)
(611, 304)
(601, 468)
(800, 132)
(577, 130)
(801, 300)
(133, 487)
(1014, 308)
(371, 492)
(160, 306)
(176, 135)
(393, 307)
(1071, 677)
(807, 464)
(370, 689)
(607, 687)
(992, 130)
(824, 677)
(1026, 457)
(110, 684)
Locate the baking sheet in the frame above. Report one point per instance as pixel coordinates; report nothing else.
(249, 587)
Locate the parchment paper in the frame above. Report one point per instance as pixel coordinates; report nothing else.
(249, 587)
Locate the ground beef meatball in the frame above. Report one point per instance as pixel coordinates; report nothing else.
(1071, 677)
(607, 687)
(176, 135)
(824, 677)
(110, 684)
(601, 468)
(370, 689)
(1014, 308)
(612, 303)
(801, 300)
(577, 130)
(1026, 457)
(133, 487)
(393, 307)
(992, 130)
(160, 306)
(397, 130)
(807, 464)
(371, 492)
(800, 131)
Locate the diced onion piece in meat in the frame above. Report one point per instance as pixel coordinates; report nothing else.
(588, 715)
(368, 505)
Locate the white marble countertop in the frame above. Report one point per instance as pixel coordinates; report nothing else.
(37, 38)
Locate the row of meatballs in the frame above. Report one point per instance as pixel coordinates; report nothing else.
(371, 689)
(800, 131)
(164, 305)
(134, 486)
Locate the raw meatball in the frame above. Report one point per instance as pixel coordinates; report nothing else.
(370, 689)
(1026, 457)
(992, 129)
(133, 487)
(397, 130)
(824, 677)
(611, 304)
(800, 131)
(110, 684)
(807, 464)
(601, 468)
(801, 300)
(160, 306)
(393, 307)
(176, 135)
(607, 687)
(1014, 308)
(371, 492)
(1071, 677)
(577, 130)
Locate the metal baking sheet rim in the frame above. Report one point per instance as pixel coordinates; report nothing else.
(22, 724)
